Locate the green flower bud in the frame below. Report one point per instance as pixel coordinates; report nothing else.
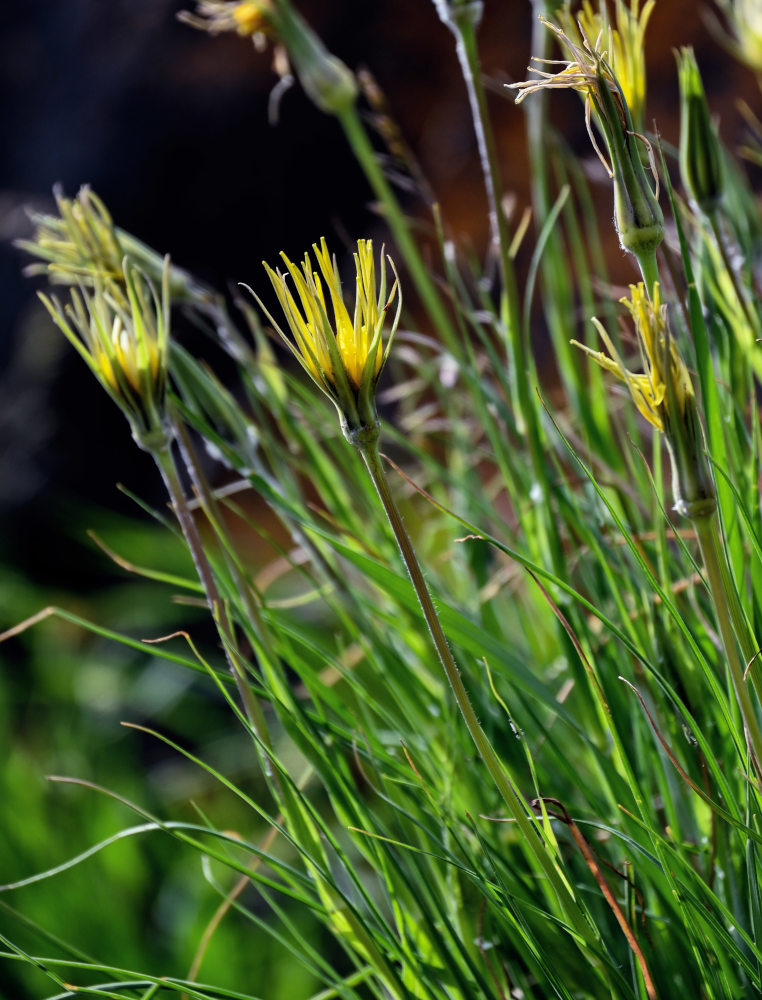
(700, 154)
(637, 215)
(327, 81)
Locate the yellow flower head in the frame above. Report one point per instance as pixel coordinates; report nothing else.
(662, 391)
(78, 244)
(344, 354)
(122, 333)
(248, 18)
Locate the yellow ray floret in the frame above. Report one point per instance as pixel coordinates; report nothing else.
(664, 384)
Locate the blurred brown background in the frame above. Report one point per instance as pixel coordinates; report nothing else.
(170, 127)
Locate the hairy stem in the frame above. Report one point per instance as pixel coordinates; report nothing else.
(252, 708)
(517, 807)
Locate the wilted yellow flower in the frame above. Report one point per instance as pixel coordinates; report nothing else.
(623, 45)
(663, 393)
(637, 215)
(344, 354)
(122, 333)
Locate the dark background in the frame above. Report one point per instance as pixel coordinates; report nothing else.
(170, 127)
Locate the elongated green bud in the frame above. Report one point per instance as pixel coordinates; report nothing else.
(700, 154)
(327, 81)
(637, 214)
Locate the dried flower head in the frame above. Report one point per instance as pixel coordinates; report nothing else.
(344, 354)
(326, 80)
(122, 333)
(622, 43)
(637, 214)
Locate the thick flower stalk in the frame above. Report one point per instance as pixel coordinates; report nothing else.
(343, 354)
(344, 357)
(588, 70)
(118, 320)
(121, 330)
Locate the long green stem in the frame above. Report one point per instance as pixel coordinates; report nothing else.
(516, 805)
(168, 470)
(463, 21)
(463, 26)
(649, 269)
(366, 157)
(727, 609)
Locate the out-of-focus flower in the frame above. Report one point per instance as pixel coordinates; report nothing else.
(700, 154)
(637, 214)
(664, 394)
(122, 333)
(81, 245)
(344, 354)
(248, 18)
(327, 81)
(743, 36)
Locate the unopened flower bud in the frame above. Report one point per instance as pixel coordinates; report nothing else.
(637, 215)
(700, 154)
(327, 81)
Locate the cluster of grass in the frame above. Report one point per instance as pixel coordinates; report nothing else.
(533, 768)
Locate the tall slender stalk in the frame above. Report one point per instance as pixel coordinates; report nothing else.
(463, 21)
(517, 807)
(252, 708)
